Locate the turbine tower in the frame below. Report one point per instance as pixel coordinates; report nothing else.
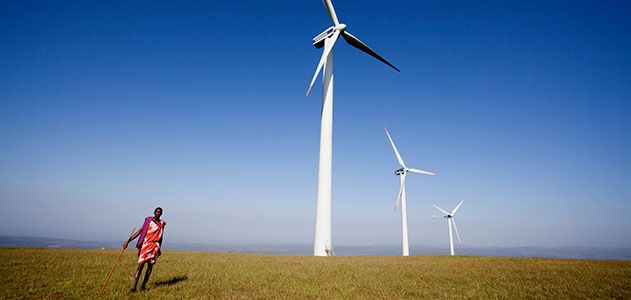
(402, 173)
(451, 220)
(322, 243)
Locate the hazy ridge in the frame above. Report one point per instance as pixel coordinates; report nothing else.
(574, 252)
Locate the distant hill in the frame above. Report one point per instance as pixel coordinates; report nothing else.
(575, 252)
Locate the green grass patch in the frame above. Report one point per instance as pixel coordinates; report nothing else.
(71, 273)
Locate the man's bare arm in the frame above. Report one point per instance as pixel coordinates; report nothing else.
(133, 237)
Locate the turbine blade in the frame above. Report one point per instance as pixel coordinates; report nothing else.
(331, 11)
(325, 54)
(453, 221)
(421, 171)
(401, 187)
(396, 152)
(442, 210)
(435, 216)
(355, 42)
(396, 204)
(455, 209)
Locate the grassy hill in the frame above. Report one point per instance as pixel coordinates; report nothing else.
(72, 273)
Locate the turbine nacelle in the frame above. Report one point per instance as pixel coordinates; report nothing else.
(399, 172)
(318, 41)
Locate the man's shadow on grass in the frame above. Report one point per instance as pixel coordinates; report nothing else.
(171, 281)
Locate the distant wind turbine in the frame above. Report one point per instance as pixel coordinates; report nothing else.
(402, 173)
(322, 243)
(450, 220)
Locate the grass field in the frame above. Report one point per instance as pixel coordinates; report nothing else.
(71, 273)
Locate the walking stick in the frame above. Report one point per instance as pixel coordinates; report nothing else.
(117, 260)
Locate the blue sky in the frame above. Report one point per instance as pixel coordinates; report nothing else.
(108, 109)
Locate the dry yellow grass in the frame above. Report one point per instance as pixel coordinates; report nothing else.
(71, 273)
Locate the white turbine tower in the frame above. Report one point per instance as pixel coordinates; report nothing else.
(322, 244)
(402, 173)
(451, 220)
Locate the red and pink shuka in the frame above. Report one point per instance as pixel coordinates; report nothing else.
(150, 240)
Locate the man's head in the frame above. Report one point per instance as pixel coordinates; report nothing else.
(157, 213)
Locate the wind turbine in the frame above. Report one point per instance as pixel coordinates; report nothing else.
(326, 39)
(451, 220)
(402, 173)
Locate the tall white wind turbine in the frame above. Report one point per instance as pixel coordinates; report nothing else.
(450, 220)
(322, 244)
(402, 173)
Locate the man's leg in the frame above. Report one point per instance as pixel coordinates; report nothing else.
(147, 274)
(137, 276)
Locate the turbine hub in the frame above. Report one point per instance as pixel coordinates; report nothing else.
(340, 27)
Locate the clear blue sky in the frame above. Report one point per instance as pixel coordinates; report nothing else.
(111, 108)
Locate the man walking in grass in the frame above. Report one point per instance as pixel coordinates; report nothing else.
(148, 245)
